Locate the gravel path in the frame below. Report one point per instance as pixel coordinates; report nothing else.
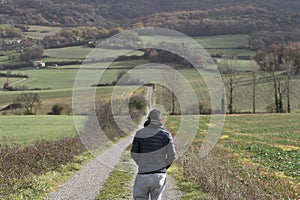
(87, 182)
(171, 192)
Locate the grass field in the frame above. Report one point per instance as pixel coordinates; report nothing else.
(60, 96)
(27, 129)
(81, 52)
(39, 32)
(61, 81)
(262, 149)
(223, 41)
(242, 101)
(9, 80)
(226, 44)
(59, 78)
(3, 59)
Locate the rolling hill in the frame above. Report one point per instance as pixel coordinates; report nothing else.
(117, 13)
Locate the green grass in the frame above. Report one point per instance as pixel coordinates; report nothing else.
(242, 65)
(215, 44)
(60, 79)
(118, 185)
(10, 80)
(223, 41)
(242, 101)
(237, 52)
(76, 52)
(226, 44)
(108, 65)
(44, 28)
(80, 52)
(269, 143)
(3, 59)
(39, 32)
(28, 129)
(190, 189)
(272, 141)
(61, 96)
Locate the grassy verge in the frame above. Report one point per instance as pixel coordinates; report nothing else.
(118, 185)
(44, 184)
(190, 188)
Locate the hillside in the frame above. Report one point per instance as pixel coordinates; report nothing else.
(117, 13)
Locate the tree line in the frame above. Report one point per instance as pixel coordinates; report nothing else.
(279, 66)
(198, 18)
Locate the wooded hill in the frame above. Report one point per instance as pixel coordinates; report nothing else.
(193, 17)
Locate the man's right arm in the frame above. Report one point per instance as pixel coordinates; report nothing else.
(171, 152)
(135, 150)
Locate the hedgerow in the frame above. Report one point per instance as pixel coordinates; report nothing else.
(18, 165)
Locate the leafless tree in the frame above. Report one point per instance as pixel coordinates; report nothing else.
(280, 64)
(254, 84)
(272, 72)
(171, 80)
(290, 73)
(230, 77)
(29, 101)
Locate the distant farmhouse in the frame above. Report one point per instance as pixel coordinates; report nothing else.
(38, 64)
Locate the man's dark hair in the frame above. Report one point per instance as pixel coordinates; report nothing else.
(154, 114)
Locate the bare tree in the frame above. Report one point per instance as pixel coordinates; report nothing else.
(280, 63)
(254, 84)
(171, 79)
(230, 77)
(270, 64)
(290, 72)
(29, 101)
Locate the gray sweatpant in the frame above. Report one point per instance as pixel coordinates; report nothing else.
(149, 184)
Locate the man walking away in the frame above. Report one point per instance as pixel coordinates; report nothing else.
(153, 151)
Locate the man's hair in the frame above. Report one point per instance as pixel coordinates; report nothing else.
(154, 114)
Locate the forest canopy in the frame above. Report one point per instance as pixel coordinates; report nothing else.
(193, 17)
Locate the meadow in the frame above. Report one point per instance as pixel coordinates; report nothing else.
(221, 44)
(10, 80)
(26, 130)
(254, 150)
(58, 82)
(81, 52)
(39, 32)
(55, 78)
(242, 101)
(55, 86)
(257, 156)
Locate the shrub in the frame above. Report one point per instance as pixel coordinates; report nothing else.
(94, 138)
(138, 102)
(57, 109)
(17, 164)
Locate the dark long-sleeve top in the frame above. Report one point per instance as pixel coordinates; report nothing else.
(153, 149)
